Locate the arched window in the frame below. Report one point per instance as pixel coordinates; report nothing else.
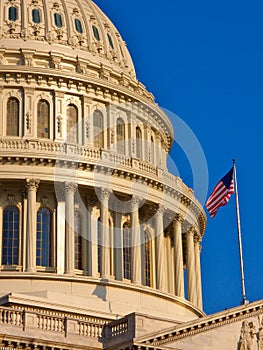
(43, 118)
(126, 234)
(12, 13)
(12, 117)
(72, 124)
(99, 244)
(152, 149)
(138, 143)
(36, 16)
(147, 260)
(78, 240)
(78, 26)
(98, 129)
(58, 20)
(96, 33)
(10, 236)
(43, 237)
(110, 41)
(120, 136)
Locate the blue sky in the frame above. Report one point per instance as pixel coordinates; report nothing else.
(203, 61)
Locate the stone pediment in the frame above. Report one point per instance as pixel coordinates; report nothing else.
(239, 328)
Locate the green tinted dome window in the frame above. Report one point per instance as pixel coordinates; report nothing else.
(96, 33)
(36, 16)
(58, 20)
(12, 13)
(110, 41)
(78, 26)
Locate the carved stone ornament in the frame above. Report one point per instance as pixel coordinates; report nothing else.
(247, 333)
(28, 121)
(11, 199)
(32, 184)
(70, 187)
(44, 201)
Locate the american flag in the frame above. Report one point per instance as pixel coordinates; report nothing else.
(221, 193)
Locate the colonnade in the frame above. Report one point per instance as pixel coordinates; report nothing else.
(183, 248)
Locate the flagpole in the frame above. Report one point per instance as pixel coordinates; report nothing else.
(244, 299)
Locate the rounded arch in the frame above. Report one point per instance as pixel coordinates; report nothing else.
(126, 250)
(120, 132)
(43, 241)
(43, 119)
(138, 142)
(98, 129)
(148, 251)
(12, 116)
(10, 238)
(72, 123)
(78, 226)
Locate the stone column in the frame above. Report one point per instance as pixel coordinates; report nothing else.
(32, 186)
(198, 273)
(190, 264)
(70, 189)
(60, 222)
(118, 246)
(92, 222)
(105, 237)
(161, 275)
(178, 256)
(136, 263)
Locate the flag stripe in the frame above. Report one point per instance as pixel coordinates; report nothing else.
(221, 193)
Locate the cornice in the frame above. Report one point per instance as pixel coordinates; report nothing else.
(202, 325)
(58, 155)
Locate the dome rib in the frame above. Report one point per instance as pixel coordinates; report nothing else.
(89, 14)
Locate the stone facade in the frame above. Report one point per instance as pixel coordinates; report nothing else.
(99, 244)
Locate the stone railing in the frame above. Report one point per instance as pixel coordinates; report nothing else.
(117, 328)
(62, 152)
(47, 322)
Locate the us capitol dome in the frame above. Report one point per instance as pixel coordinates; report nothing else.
(96, 235)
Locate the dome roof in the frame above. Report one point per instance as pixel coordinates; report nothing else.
(73, 27)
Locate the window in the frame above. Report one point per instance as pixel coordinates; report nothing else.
(43, 237)
(152, 149)
(12, 122)
(96, 33)
(110, 41)
(10, 236)
(98, 129)
(58, 20)
(12, 13)
(36, 16)
(126, 233)
(78, 241)
(138, 143)
(72, 126)
(147, 260)
(43, 119)
(120, 136)
(78, 26)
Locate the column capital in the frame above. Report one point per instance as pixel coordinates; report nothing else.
(32, 184)
(178, 218)
(135, 202)
(70, 187)
(92, 200)
(160, 210)
(191, 231)
(103, 193)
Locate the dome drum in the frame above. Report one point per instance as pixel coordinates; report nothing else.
(88, 208)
